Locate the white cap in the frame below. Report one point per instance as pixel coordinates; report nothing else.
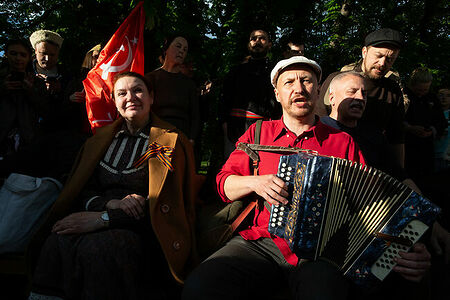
(45, 36)
(283, 64)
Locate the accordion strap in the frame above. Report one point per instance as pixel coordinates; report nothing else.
(251, 148)
(255, 158)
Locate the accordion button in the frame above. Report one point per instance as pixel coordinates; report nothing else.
(281, 213)
(283, 164)
(313, 209)
(279, 223)
(288, 173)
(282, 208)
(317, 213)
(274, 219)
(289, 168)
(283, 170)
(288, 178)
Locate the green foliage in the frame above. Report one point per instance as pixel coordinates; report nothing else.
(217, 30)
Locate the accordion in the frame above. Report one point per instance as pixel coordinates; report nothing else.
(354, 216)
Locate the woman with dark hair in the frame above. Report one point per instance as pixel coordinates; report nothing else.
(176, 99)
(133, 179)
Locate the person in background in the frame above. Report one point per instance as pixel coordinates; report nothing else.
(18, 118)
(56, 141)
(47, 45)
(385, 108)
(293, 48)
(75, 90)
(424, 122)
(247, 94)
(441, 145)
(125, 218)
(176, 99)
(348, 100)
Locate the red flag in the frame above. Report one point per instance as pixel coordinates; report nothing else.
(124, 52)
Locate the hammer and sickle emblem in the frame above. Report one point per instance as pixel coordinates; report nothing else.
(109, 68)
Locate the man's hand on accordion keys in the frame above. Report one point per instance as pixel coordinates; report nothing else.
(413, 265)
(271, 188)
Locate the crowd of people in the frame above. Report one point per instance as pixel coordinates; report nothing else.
(124, 225)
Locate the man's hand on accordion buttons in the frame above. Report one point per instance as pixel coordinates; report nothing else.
(271, 188)
(413, 265)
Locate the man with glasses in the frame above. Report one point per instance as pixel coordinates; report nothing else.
(247, 93)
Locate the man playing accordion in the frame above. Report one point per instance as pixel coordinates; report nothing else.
(239, 269)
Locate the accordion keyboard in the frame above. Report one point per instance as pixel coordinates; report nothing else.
(384, 264)
(278, 214)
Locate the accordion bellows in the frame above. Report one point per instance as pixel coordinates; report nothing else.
(338, 209)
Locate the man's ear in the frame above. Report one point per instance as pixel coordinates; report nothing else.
(330, 97)
(364, 52)
(276, 95)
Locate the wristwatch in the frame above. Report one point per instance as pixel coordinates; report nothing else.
(105, 219)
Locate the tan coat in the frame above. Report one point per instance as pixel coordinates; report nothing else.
(171, 193)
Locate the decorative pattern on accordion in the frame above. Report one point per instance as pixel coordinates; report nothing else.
(336, 208)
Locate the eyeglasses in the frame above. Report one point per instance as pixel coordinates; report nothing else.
(258, 37)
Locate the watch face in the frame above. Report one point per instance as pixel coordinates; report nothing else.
(105, 216)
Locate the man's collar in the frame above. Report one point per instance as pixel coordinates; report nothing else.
(318, 130)
(280, 129)
(327, 120)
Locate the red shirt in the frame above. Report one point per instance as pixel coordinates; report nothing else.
(321, 138)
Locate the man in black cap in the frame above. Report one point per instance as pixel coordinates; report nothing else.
(385, 103)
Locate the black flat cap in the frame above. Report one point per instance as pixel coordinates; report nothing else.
(384, 36)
